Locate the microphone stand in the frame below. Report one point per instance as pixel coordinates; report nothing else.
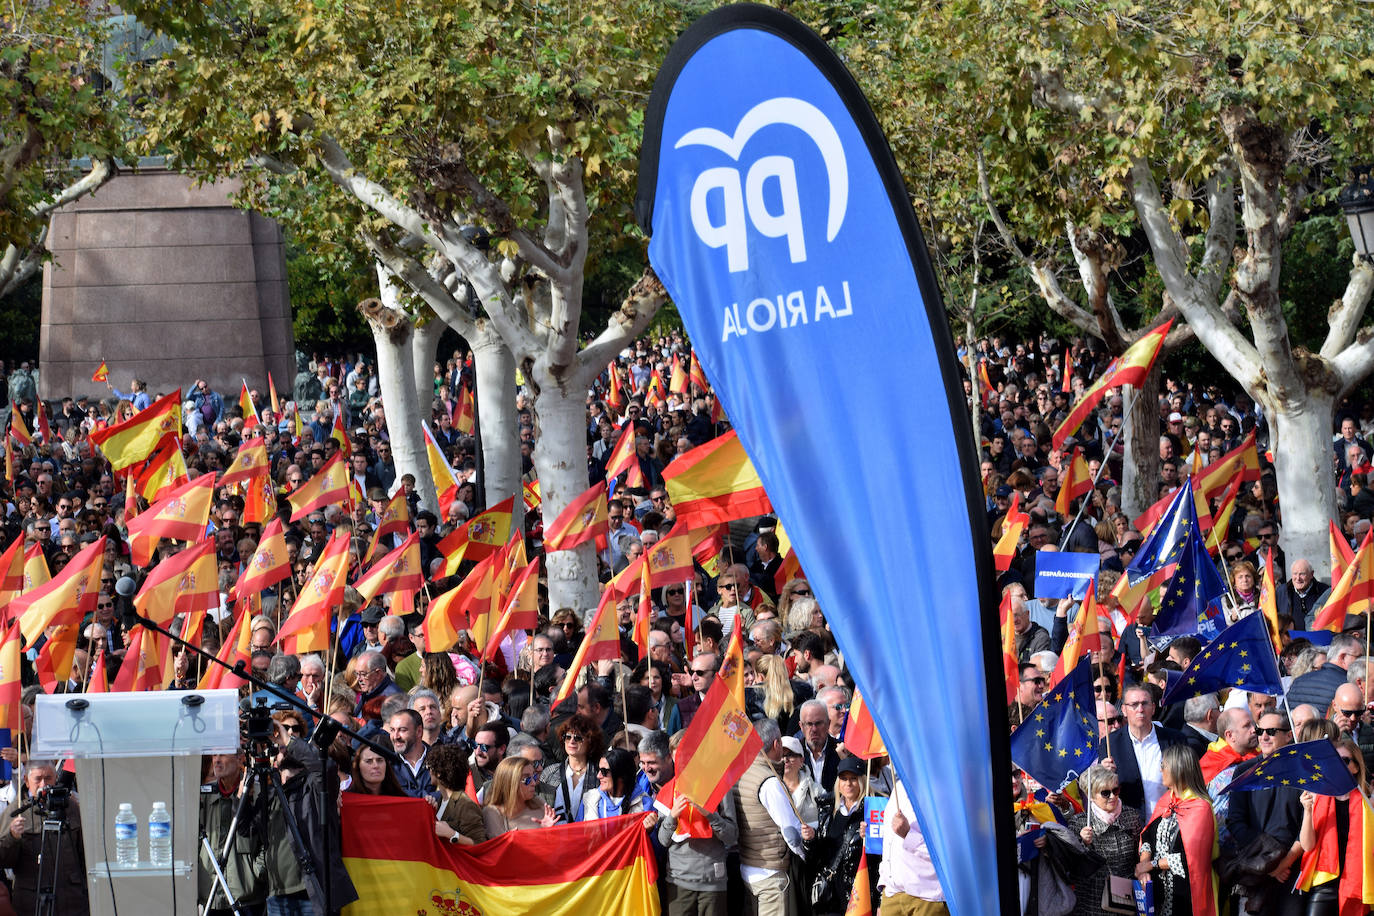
(326, 730)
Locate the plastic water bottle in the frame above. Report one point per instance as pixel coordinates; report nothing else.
(126, 836)
(160, 836)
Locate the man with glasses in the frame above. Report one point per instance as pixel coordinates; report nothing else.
(1348, 710)
(820, 754)
(1200, 715)
(702, 672)
(1137, 751)
(374, 686)
(488, 749)
(1268, 534)
(1317, 688)
(1109, 719)
(618, 527)
(1030, 690)
(1303, 595)
(1275, 812)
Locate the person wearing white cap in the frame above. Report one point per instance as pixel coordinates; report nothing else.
(797, 778)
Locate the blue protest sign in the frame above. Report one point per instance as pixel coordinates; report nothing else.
(1063, 575)
(781, 227)
(875, 806)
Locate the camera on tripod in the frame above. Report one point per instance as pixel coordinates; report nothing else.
(259, 728)
(50, 802)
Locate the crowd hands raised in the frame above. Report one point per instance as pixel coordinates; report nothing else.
(482, 741)
(1151, 806)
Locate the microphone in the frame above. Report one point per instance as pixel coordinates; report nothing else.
(124, 601)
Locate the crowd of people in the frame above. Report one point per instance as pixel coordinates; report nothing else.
(1152, 807)
(482, 741)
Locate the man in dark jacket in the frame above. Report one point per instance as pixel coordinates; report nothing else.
(244, 865)
(1302, 595)
(1137, 751)
(22, 844)
(1317, 687)
(317, 815)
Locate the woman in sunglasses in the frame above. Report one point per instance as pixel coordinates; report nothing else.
(1108, 828)
(573, 776)
(616, 791)
(513, 801)
(1332, 864)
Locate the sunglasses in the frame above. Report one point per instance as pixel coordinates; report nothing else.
(1101, 688)
(603, 771)
(573, 736)
(1034, 680)
(1109, 793)
(706, 673)
(730, 585)
(1272, 731)
(803, 592)
(674, 591)
(1234, 557)
(1115, 720)
(529, 780)
(484, 748)
(1349, 761)
(1352, 713)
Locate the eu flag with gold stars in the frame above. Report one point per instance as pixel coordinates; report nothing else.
(1311, 765)
(1190, 602)
(1164, 544)
(1058, 740)
(1242, 656)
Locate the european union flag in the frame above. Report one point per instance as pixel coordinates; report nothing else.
(1058, 740)
(1165, 542)
(1311, 765)
(1242, 656)
(1190, 602)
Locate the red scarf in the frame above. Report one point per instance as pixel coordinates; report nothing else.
(1319, 865)
(1219, 758)
(1197, 829)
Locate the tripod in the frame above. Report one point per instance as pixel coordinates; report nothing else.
(260, 739)
(55, 826)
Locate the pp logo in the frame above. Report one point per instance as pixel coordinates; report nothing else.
(742, 200)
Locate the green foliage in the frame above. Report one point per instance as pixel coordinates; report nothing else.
(1312, 280)
(55, 110)
(19, 319)
(325, 293)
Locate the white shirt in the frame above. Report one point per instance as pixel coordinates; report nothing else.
(815, 764)
(906, 866)
(777, 802)
(1150, 760)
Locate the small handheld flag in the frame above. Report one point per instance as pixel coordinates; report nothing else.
(1058, 740)
(1312, 765)
(1242, 656)
(102, 373)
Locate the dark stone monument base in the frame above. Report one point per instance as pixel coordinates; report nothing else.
(167, 282)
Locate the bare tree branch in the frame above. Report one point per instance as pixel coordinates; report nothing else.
(627, 323)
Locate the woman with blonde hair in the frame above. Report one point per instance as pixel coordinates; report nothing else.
(1179, 843)
(793, 588)
(1328, 855)
(778, 699)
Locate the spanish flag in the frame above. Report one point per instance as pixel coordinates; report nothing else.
(860, 732)
(102, 373)
(1011, 669)
(1352, 592)
(1342, 555)
(11, 690)
(1221, 523)
(1075, 481)
(11, 576)
(397, 571)
(521, 609)
(860, 898)
(657, 392)
(698, 374)
(272, 396)
(1323, 862)
(488, 531)
(1130, 368)
(452, 612)
(18, 430)
(185, 582)
(180, 515)
(250, 411)
(165, 471)
(306, 628)
(142, 667)
(62, 602)
(394, 519)
(1083, 636)
(249, 462)
(259, 500)
(340, 435)
(678, 382)
(1243, 460)
(1013, 524)
(44, 427)
(270, 563)
(670, 560)
(604, 867)
(327, 487)
(445, 484)
(625, 460)
(715, 483)
(99, 681)
(707, 544)
(615, 398)
(35, 569)
(719, 746)
(464, 411)
(236, 648)
(453, 547)
(134, 439)
(1268, 603)
(530, 495)
(601, 642)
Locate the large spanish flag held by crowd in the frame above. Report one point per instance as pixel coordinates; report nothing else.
(715, 483)
(1130, 368)
(399, 866)
(133, 440)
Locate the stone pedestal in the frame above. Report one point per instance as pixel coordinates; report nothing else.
(167, 282)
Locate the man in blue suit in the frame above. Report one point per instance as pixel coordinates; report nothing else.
(1137, 751)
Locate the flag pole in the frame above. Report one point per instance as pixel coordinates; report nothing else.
(1106, 457)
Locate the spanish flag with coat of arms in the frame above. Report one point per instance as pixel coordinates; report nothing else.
(399, 866)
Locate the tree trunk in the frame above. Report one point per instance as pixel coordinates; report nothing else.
(1300, 433)
(393, 333)
(560, 448)
(1140, 463)
(424, 348)
(975, 402)
(494, 368)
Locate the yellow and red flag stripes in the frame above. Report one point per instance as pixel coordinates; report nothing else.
(249, 462)
(692, 823)
(250, 411)
(9, 461)
(861, 897)
(1011, 670)
(340, 435)
(165, 471)
(1075, 481)
(180, 515)
(64, 599)
(698, 374)
(530, 495)
(707, 544)
(677, 381)
(731, 668)
(187, 581)
(269, 564)
(18, 431)
(259, 500)
(464, 410)
(1342, 554)
(1013, 524)
(453, 547)
(1352, 592)
(1243, 460)
(1146, 521)
(521, 609)
(134, 439)
(328, 487)
(100, 679)
(450, 613)
(394, 519)
(1268, 603)
(306, 628)
(54, 661)
(715, 483)
(670, 560)
(1083, 636)
(142, 666)
(601, 642)
(489, 531)
(35, 570)
(11, 690)
(1221, 523)
(272, 398)
(624, 458)
(657, 392)
(11, 576)
(603, 867)
(1323, 862)
(101, 373)
(585, 517)
(237, 647)
(860, 734)
(398, 570)
(615, 397)
(719, 746)
(1130, 368)
(44, 427)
